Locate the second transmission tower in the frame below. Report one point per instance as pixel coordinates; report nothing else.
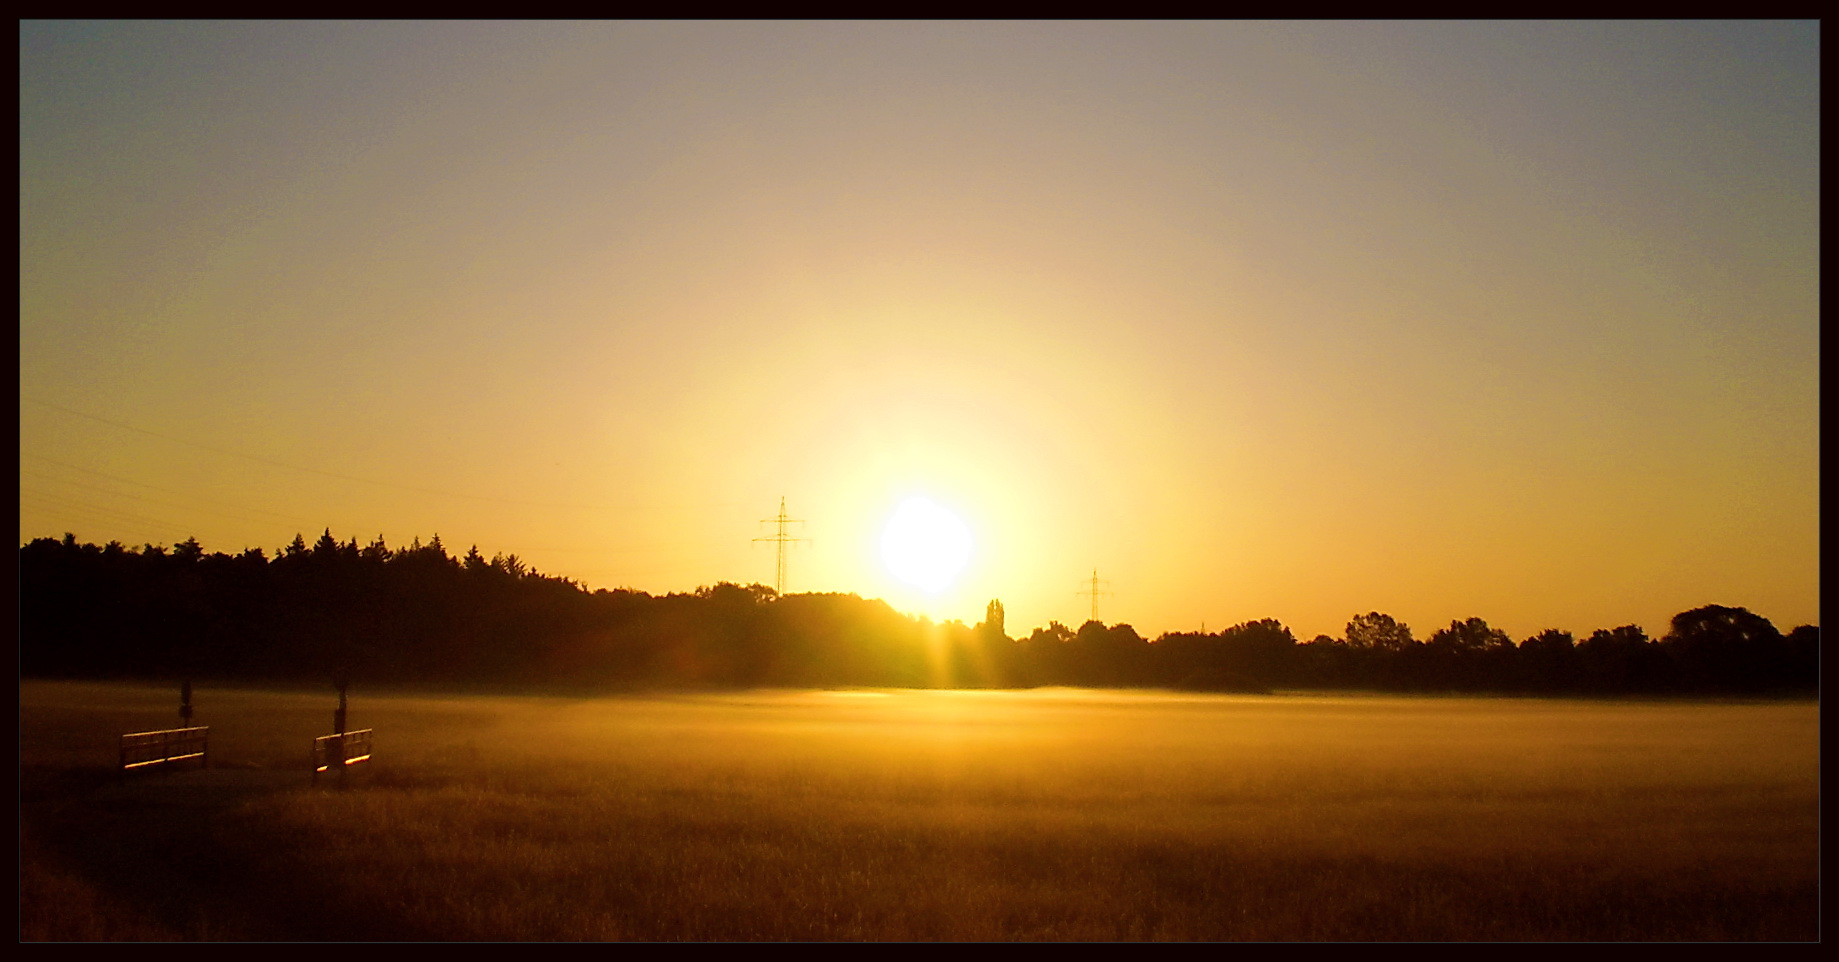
(1094, 592)
(781, 539)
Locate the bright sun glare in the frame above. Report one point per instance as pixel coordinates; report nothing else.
(925, 545)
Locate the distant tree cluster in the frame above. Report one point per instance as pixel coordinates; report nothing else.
(419, 614)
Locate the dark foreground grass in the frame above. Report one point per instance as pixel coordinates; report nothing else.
(933, 816)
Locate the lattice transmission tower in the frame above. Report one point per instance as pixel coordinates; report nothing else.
(1094, 591)
(781, 539)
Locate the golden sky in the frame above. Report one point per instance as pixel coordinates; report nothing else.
(1517, 321)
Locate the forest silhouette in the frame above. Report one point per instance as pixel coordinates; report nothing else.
(418, 614)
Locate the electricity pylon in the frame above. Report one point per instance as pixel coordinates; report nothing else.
(1094, 592)
(781, 539)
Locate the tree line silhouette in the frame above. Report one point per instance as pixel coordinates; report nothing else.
(419, 614)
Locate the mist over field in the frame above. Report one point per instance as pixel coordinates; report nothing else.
(887, 814)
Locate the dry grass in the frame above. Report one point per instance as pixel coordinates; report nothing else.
(931, 815)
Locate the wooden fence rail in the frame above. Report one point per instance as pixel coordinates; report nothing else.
(144, 749)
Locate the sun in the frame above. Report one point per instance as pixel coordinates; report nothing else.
(925, 545)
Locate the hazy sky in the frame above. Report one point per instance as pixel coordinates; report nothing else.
(1517, 321)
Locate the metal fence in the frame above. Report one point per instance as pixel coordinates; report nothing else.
(340, 751)
(143, 749)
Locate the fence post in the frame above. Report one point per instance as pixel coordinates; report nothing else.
(185, 718)
(338, 728)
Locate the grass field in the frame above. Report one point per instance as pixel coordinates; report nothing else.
(1048, 814)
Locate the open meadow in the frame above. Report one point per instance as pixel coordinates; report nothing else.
(1051, 814)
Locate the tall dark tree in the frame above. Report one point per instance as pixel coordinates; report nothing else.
(1804, 657)
(1468, 655)
(1261, 652)
(474, 562)
(1378, 632)
(993, 620)
(1720, 648)
(1621, 660)
(1548, 661)
(1325, 661)
(375, 552)
(188, 551)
